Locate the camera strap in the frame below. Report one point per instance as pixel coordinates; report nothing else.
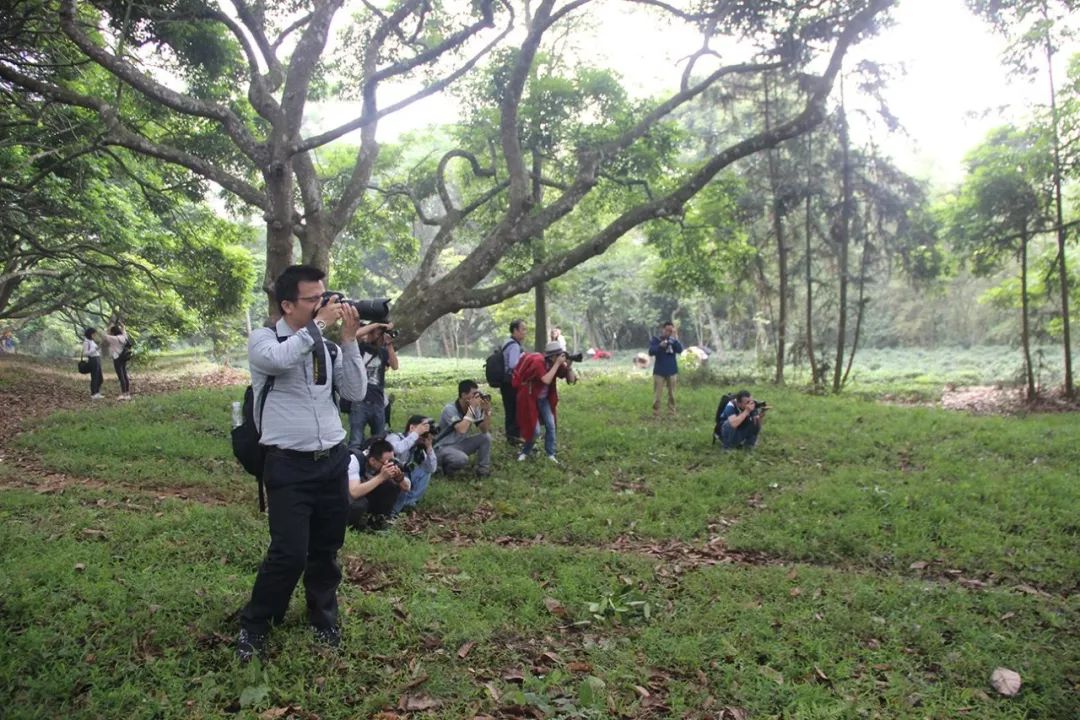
(318, 354)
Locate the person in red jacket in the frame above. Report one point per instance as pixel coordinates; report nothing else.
(537, 395)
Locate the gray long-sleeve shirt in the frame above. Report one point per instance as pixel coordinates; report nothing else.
(300, 415)
(403, 446)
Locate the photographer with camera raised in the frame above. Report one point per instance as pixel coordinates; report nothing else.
(376, 482)
(413, 450)
(538, 396)
(470, 412)
(305, 471)
(666, 349)
(378, 354)
(740, 421)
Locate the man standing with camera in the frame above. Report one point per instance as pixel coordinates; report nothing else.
(665, 349)
(471, 411)
(305, 473)
(740, 421)
(512, 351)
(378, 354)
(538, 397)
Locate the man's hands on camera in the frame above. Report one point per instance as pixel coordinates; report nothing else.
(391, 472)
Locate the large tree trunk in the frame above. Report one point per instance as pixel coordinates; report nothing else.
(279, 230)
(1025, 333)
(843, 238)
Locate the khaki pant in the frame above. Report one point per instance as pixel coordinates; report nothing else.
(659, 381)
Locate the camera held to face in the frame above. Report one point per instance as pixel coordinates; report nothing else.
(376, 310)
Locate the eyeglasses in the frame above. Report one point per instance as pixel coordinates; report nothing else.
(309, 298)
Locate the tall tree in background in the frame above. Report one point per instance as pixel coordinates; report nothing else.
(247, 77)
(1035, 29)
(997, 211)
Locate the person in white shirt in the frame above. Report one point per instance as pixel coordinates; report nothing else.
(92, 352)
(117, 340)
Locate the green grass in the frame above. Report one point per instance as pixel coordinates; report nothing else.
(119, 602)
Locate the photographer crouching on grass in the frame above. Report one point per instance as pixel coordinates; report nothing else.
(471, 411)
(537, 395)
(740, 421)
(305, 472)
(376, 481)
(413, 451)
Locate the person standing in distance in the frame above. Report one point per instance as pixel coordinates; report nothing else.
(512, 350)
(665, 349)
(306, 471)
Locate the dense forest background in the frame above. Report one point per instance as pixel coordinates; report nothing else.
(144, 147)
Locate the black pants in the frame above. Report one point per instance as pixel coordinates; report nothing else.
(308, 503)
(96, 378)
(379, 501)
(120, 366)
(509, 398)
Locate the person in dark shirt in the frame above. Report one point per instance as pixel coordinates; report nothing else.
(512, 350)
(665, 349)
(740, 422)
(378, 354)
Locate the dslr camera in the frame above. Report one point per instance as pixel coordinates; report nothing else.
(483, 395)
(376, 310)
(576, 357)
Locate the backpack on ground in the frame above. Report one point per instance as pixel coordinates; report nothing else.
(246, 437)
(724, 400)
(495, 366)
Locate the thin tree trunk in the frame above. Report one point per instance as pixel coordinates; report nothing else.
(809, 278)
(1025, 333)
(861, 305)
(540, 334)
(1063, 274)
(843, 239)
(781, 247)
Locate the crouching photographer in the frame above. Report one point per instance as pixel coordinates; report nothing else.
(740, 421)
(413, 451)
(376, 481)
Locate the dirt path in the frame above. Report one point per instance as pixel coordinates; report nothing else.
(31, 389)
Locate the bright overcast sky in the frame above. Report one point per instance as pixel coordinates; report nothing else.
(948, 75)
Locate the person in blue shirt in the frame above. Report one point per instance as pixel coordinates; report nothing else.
(665, 349)
(740, 422)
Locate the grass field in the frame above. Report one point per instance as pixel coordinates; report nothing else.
(867, 561)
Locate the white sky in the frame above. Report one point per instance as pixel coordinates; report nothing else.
(948, 74)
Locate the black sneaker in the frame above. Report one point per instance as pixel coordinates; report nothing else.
(328, 636)
(250, 645)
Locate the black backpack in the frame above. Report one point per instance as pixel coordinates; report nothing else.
(724, 400)
(129, 345)
(246, 436)
(495, 366)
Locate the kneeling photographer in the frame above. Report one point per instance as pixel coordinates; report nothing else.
(538, 396)
(376, 481)
(740, 421)
(413, 451)
(465, 430)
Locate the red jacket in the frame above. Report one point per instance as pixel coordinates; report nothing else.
(526, 381)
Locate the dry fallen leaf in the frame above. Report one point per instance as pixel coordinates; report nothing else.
(464, 650)
(79, 567)
(417, 703)
(555, 607)
(918, 565)
(1007, 682)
